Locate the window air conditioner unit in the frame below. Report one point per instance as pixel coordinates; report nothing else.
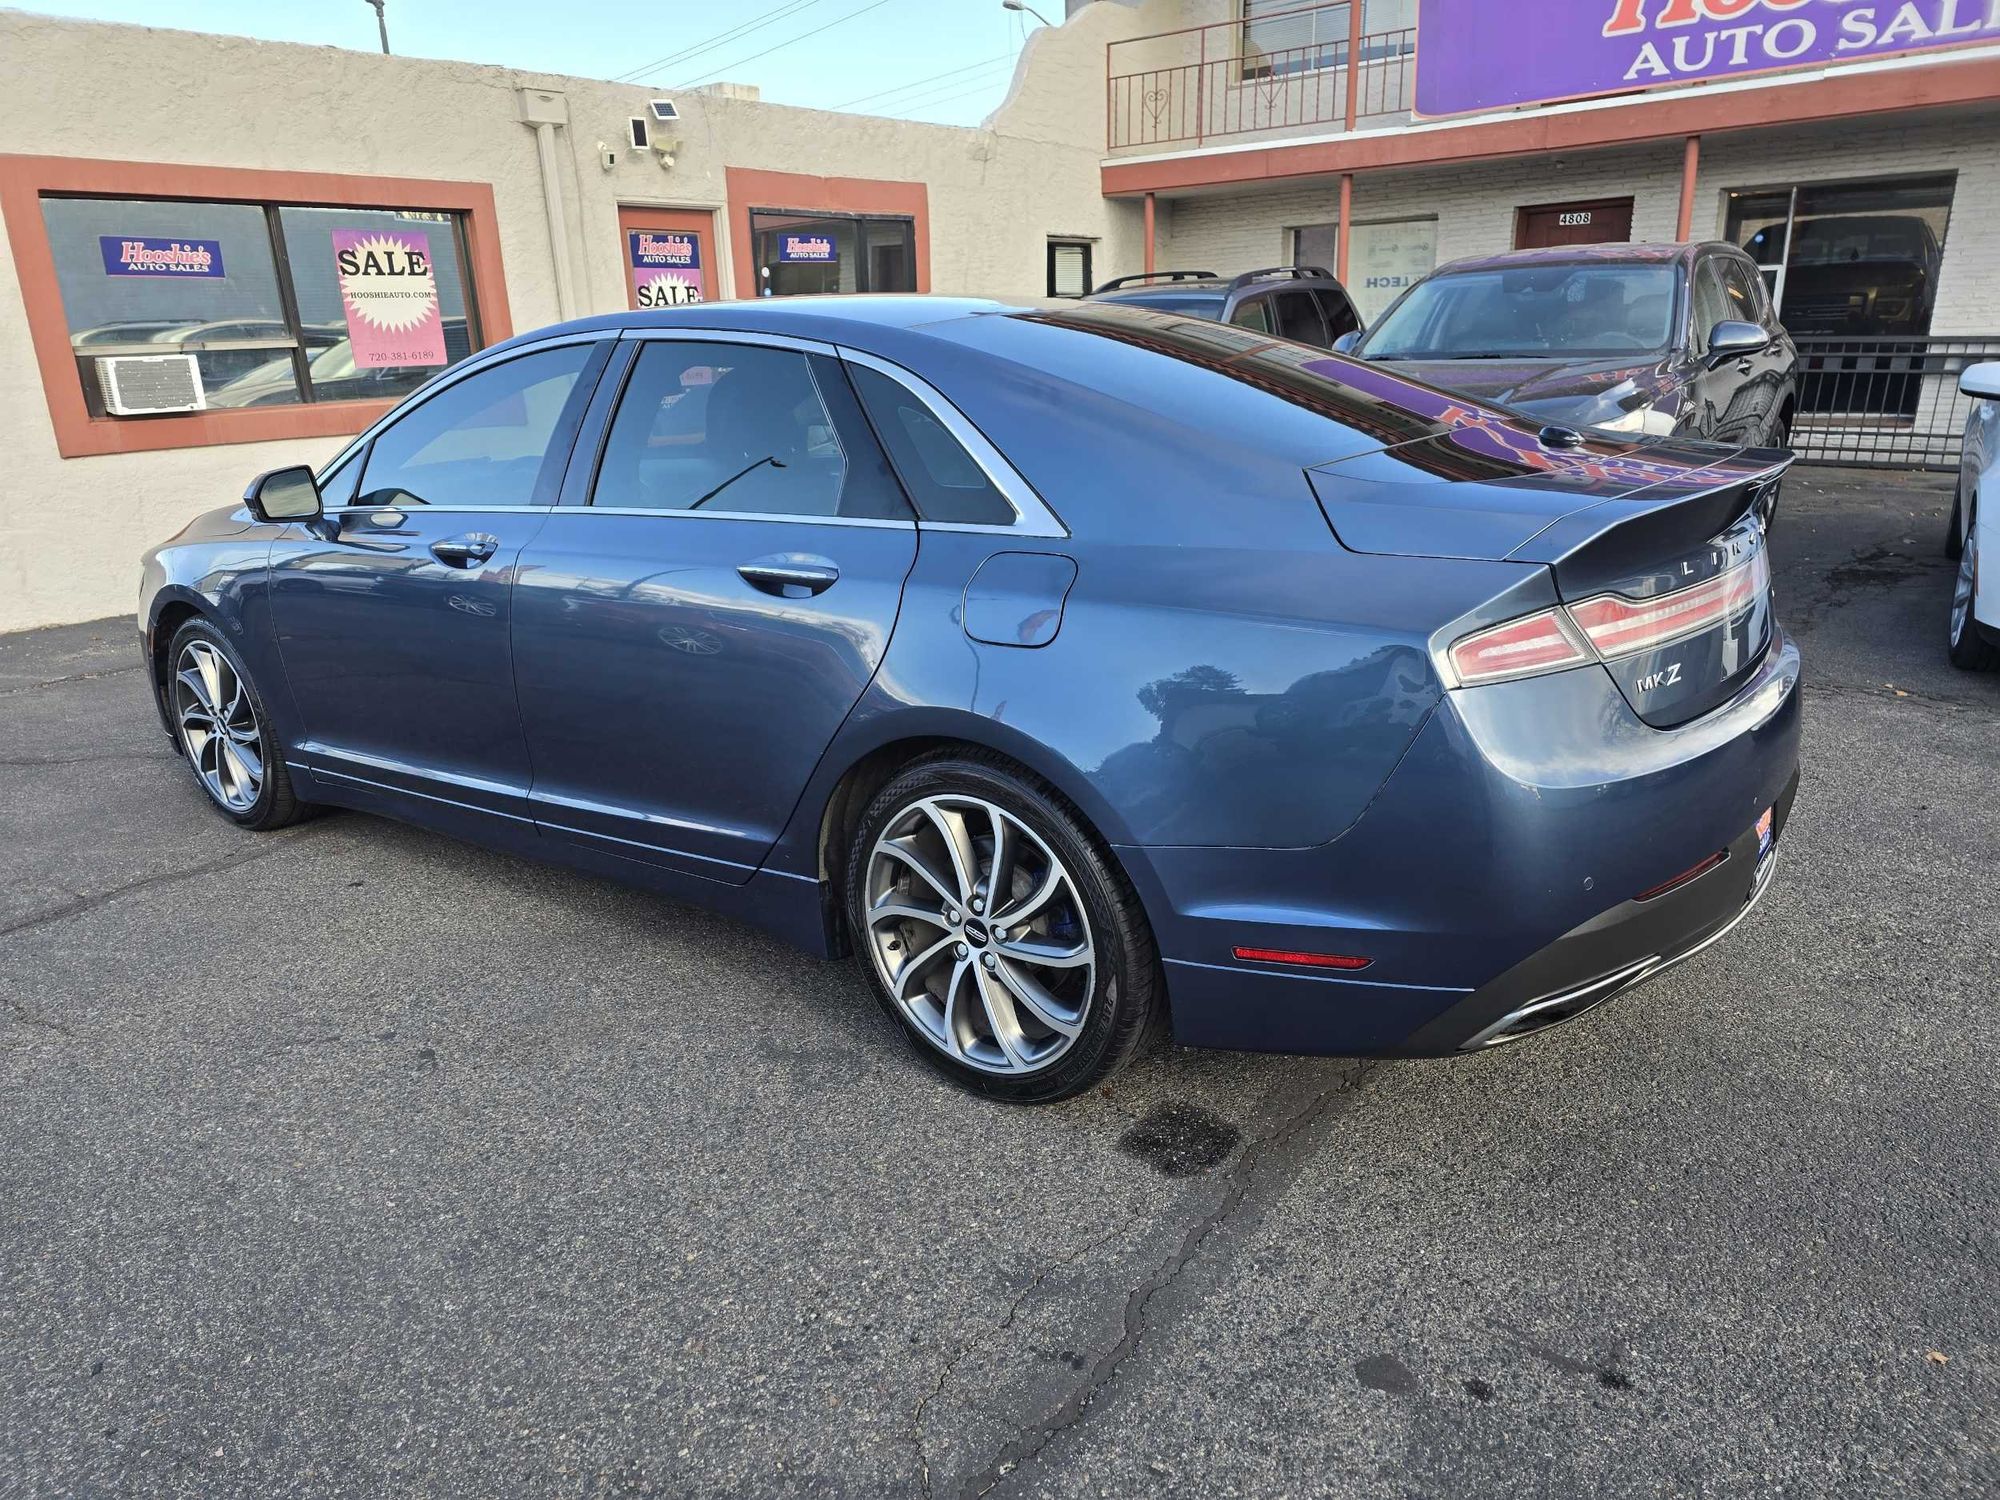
(137, 385)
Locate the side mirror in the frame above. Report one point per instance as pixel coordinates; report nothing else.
(284, 495)
(1346, 342)
(1731, 339)
(1982, 381)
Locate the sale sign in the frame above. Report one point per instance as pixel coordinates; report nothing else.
(140, 255)
(809, 248)
(389, 293)
(666, 267)
(1481, 54)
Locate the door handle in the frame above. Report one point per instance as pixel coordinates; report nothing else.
(466, 551)
(790, 577)
(1745, 365)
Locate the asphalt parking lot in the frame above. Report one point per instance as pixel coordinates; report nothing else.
(351, 1161)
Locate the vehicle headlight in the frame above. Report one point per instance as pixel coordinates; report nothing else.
(1647, 420)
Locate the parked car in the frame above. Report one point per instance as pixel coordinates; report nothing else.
(1304, 303)
(1975, 527)
(1232, 683)
(1656, 339)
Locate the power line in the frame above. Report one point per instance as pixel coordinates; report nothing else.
(790, 41)
(902, 110)
(920, 82)
(755, 23)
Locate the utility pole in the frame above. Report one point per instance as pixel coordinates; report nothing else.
(381, 22)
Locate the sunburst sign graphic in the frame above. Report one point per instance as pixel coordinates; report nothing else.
(389, 293)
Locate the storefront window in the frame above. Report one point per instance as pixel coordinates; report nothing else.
(1386, 258)
(1851, 259)
(277, 304)
(799, 254)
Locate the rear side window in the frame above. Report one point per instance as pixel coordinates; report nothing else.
(739, 429)
(947, 482)
(1340, 315)
(1298, 318)
(1254, 314)
(483, 442)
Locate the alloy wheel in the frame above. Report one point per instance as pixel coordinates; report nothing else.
(1962, 589)
(980, 934)
(218, 727)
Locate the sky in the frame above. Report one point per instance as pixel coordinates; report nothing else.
(942, 60)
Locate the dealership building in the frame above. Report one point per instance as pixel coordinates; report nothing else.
(251, 249)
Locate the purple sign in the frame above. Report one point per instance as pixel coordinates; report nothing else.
(1479, 54)
(138, 255)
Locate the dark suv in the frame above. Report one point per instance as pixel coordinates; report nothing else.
(1306, 303)
(1642, 339)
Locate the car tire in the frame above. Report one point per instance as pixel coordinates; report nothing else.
(1968, 645)
(974, 996)
(224, 732)
(1954, 535)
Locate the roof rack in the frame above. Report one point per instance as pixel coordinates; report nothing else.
(1288, 273)
(1149, 276)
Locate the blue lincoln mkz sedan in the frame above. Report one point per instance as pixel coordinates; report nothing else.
(1082, 669)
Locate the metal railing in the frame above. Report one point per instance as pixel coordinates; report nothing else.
(1205, 82)
(1885, 402)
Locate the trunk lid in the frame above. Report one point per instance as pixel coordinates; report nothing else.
(1660, 541)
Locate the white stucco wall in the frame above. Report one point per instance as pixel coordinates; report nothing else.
(71, 530)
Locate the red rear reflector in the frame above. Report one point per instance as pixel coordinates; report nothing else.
(1301, 960)
(1534, 643)
(1618, 626)
(1685, 876)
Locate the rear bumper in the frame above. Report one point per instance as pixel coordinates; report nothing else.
(1493, 883)
(1610, 954)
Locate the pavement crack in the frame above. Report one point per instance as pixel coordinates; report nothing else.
(30, 687)
(270, 844)
(1890, 694)
(1236, 1191)
(84, 760)
(950, 1366)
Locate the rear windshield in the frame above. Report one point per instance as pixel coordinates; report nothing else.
(1528, 312)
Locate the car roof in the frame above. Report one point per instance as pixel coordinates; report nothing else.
(1642, 254)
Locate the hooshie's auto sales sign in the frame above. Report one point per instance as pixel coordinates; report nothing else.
(1483, 54)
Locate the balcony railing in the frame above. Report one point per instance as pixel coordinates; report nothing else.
(1211, 82)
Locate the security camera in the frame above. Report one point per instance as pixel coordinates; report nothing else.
(665, 151)
(664, 111)
(606, 157)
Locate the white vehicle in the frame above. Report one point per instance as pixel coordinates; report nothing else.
(1975, 527)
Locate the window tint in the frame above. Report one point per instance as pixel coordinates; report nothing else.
(1298, 318)
(337, 485)
(1711, 303)
(945, 481)
(1340, 315)
(481, 442)
(1255, 313)
(735, 428)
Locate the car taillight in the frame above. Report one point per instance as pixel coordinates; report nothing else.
(1618, 626)
(1543, 642)
(1605, 628)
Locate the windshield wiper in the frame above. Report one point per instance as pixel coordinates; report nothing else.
(770, 458)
